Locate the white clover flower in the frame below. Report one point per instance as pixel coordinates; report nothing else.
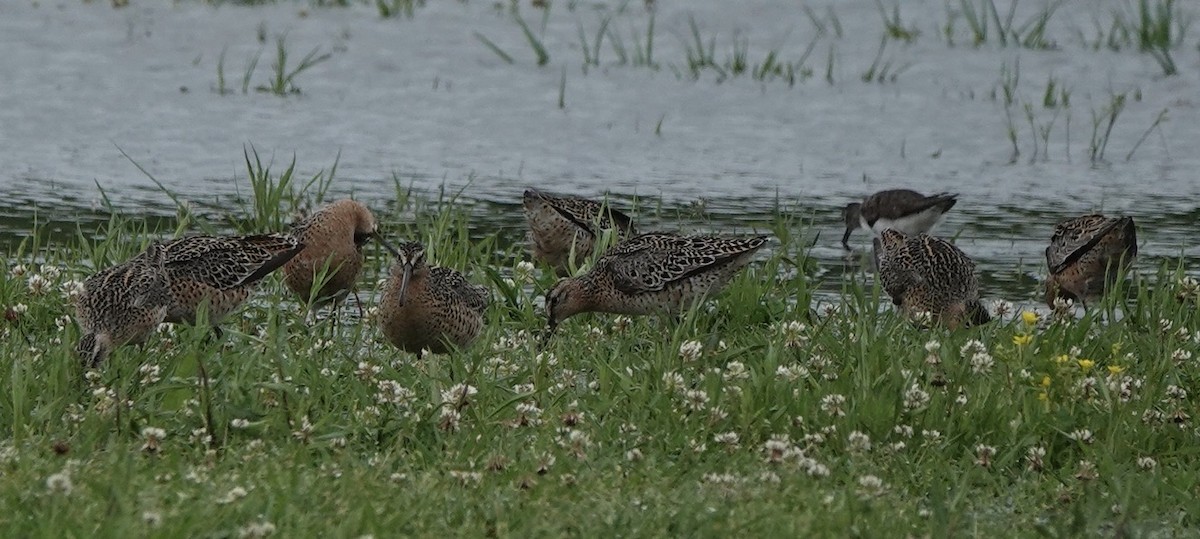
(458, 394)
(59, 483)
(17, 271)
(37, 284)
(1181, 355)
(1175, 392)
(1082, 435)
(982, 363)
(391, 392)
(1087, 471)
(234, 494)
(1147, 463)
(151, 518)
(832, 404)
(933, 346)
(256, 530)
(690, 351)
(239, 423)
(858, 442)
(792, 372)
(1035, 458)
(695, 399)
(727, 438)
(915, 397)
(983, 455)
(1001, 308)
(971, 347)
(736, 370)
(870, 486)
(19, 309)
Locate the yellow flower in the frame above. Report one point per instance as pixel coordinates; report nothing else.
(1029, 317)
(1116, 348)
(1115, 369)
(1086, 364)
(1062, 358)
(1042, 396)
(1022, 340)
(1045, 381)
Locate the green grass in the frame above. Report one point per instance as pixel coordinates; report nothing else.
(283, 76)
(752, 414)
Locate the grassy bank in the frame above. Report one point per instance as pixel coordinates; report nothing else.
(753, 414)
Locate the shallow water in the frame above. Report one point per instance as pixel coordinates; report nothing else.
(425, 101)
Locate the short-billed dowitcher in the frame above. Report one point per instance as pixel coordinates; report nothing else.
(928, 275)
(1086, 255)
(651, 273)
(333, 239)
(905, 210)
(121, 305)
(560, 224)
(220, 272)
(428, 307)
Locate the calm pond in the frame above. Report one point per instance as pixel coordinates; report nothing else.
(807, 105)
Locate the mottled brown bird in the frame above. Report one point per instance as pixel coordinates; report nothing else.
(560, 225)
(329, 266)
(905, 210)
(652, 273)
(121, 305)
(220, 272)
(1086, 255)
(428, 307)
(928, 275)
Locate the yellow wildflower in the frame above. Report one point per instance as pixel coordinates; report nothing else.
(1045, 381)
(1029, 317)
(1086, 364)
(1022, 340)
(1116, 348)
(1115, 369)
(1042, 396)
(1062, 358)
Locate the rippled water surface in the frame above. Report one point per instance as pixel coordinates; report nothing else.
(425, 103)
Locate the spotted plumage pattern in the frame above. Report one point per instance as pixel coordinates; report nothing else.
(902, 209)
(428, 307)
(652, 273)
(558, 224)
(924, 274)
(220, 272)
(121, 305)
(1086, 255)
(333, 239)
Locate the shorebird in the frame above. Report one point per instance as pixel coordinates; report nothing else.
(924, 274)
(428, 307)
(905, 210)
(220, 272)
(652, 273)
(122, 305)
(1086, 255)
(332, 258)
(559, 225)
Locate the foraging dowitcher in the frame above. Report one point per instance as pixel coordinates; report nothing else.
(924, 274)
(1086, 254)
(905, 210)
(220, 272)
(559, 224)
(333, 239)
(429, 307)
(121, 305)
(655, 272)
